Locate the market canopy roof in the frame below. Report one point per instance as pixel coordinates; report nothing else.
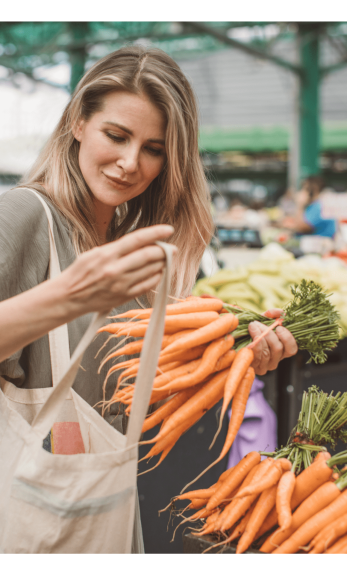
(262, 139)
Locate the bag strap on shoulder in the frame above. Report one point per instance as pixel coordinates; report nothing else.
(149, 356)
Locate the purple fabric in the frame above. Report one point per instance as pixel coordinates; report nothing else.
(258, 431)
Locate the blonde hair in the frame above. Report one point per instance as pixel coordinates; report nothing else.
(178, 196)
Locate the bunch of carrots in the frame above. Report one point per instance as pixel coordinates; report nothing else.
(252, 498)
(197, 368)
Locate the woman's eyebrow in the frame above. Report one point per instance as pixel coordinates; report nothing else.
(131, 133)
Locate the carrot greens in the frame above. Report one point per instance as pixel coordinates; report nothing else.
(310, 317)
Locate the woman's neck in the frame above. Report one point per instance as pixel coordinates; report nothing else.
(103, 218)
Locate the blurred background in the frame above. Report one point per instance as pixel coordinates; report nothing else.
(273, 140)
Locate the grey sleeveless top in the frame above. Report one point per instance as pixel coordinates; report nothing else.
(24, 260)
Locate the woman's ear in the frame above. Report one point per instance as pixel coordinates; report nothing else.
(77, 130)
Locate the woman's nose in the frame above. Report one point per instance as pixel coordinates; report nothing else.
(129, 160)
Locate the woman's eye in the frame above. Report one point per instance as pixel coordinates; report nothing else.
(115, 138)
(155, 151)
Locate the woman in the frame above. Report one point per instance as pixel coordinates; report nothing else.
(124, 156)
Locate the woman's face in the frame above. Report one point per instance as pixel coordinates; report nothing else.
(122, 148)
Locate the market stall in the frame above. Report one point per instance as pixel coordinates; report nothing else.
(204, 363)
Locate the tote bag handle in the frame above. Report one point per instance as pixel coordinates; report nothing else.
(148, 364)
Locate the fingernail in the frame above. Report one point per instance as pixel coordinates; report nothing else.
(255, 327)
(279, 330)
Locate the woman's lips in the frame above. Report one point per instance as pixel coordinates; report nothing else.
(116, 182)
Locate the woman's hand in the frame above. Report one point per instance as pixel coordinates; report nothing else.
(110, 275)
(276, 345)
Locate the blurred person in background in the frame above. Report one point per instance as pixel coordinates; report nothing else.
(308, 219)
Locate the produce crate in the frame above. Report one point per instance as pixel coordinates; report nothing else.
(193, 544)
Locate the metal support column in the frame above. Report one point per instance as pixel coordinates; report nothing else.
(309, 129)
(77, 51)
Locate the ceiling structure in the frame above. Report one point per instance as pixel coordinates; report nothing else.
(30, 47)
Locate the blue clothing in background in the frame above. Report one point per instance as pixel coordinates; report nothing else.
(321, 227)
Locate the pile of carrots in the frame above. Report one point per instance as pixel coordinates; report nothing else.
(251, 499)
(197, 368)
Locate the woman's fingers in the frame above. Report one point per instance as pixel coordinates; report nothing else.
(145, 286)
(290, 347)
(141, 274)
(139, 259)
(273, 313)
(272, 348)
(140, 238)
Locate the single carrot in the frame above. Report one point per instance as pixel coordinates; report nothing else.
(173, 323)
(226, 360)
(197, 503)
(328, 535)
(314, 524)
(237, 372)
(171, 338)
(229, 506)
(221, 326)
(132, 370)
(196, 494)
(194, 306)
(258, 468)
(263, 507)
(238, 411)
(207, 396)
(272, 478)
(338, 547)
(306, 483)
(284, 494)
(179, 358)
(240, 528)
(128, 349)
(207, 366)
(235, 479)
(238, 507)
(185, 368)
(169, 407)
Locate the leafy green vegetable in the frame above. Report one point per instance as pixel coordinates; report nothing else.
(310, 317)
(322, 421)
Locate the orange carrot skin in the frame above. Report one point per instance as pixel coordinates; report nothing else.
(312, 526)
(207, 366)
(237, 372)
(226, 360)
(238, 410)
(196, 494)
(173, 309)
(223, 516)
(184, 368)
(201, 401)
(221, 326)
(240, 528)
(318, 500)
(327, 536)
(197, 503)
(259, 483)
(306, 483)
(338, 547)
(238, 507)
(167, 409)
(284, 494)
(240, 471)
(264, 505)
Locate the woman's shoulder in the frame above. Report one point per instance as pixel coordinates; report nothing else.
(23, 203)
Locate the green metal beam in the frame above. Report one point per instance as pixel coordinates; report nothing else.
(79, 31)
(333, 68)
(309, 132)
(252, 51)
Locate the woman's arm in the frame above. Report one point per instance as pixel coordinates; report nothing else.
(99, 280)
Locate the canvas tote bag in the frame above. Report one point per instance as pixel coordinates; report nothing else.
(84, 502)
